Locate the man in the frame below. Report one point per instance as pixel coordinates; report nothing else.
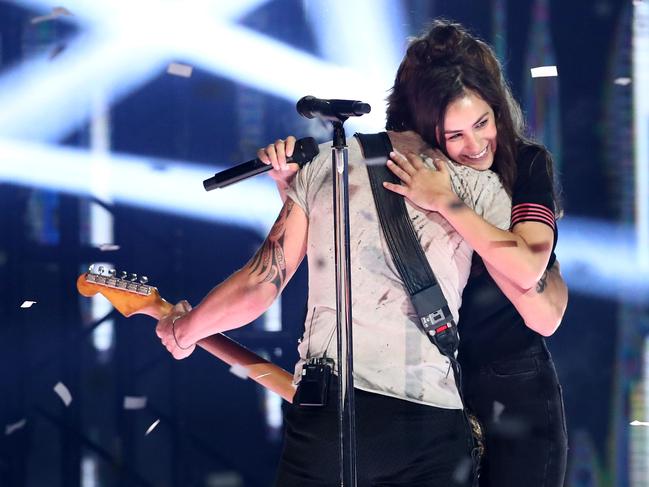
(410, 426)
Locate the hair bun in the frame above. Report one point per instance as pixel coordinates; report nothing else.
(444, 45)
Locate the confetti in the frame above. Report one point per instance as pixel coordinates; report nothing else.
(108, 247)
(63, 393)
(375, 161)
(512, 428)
(56, 13)
(134, 402)
(462, 471)
(178, 69)
(43, 18)
(622, 81)
(262, 375)
(544, 71)
(639, 423)
(498, 410)
(28, 304)
(240, 371)
(11, 428)
(152, 427)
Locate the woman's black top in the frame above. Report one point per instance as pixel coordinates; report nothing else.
(490, 327)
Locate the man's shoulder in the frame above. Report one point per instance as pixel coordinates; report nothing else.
(474, 180)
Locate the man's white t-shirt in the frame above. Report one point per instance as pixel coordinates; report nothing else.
(392, 356)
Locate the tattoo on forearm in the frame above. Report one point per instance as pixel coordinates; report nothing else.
(542, 283)
(269, 263)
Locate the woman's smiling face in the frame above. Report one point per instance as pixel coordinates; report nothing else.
(470, 132)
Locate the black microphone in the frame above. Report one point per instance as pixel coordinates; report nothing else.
(305, 150)
(310, 107)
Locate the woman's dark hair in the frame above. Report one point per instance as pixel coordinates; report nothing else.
(441, 66)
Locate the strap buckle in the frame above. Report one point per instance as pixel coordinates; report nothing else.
(442, 331)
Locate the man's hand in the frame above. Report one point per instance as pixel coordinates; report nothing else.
(170, 333)
(275, 155)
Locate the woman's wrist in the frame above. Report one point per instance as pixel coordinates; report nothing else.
(448, 202)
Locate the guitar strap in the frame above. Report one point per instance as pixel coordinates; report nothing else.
(418, 277)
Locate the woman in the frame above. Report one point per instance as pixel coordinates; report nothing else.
(450, 91)
(510, 381)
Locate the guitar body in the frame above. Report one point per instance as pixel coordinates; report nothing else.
(132, 297)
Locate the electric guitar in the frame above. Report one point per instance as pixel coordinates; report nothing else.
(131, 296)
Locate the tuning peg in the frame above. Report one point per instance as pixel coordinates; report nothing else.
(112, 272)
(91, 269)
(101, 270)
(124, 275)
(144, 280)
(133, 277)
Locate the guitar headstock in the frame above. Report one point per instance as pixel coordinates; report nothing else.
(127, 293)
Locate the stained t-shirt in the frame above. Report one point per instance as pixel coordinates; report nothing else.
(392, 356)
(490, 326)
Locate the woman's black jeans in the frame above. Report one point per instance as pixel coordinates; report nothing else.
(520, 404)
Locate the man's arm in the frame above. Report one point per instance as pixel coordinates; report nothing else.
(247, 293)
(543, 305)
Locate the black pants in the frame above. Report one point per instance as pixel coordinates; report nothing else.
(399, 443)
(520, 404)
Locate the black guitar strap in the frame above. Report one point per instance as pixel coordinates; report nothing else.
(413, 267)
(408, 256)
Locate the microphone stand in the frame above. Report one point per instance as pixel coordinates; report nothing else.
(346, 404)
(337, 112)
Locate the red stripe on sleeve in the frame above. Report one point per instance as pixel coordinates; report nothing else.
(532, 212)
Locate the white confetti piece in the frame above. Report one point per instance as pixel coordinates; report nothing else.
(28, 304)
(55, 14)
(134, 402)
(108, 247)
(262, 375)
(375, 161)
(63, 393)
(498, 410)
(639, 423)
(11, 428)
(43, 18)
(544, 71)
(462, 471)
(240, 371)
(178, 69)
(152, 427)
(622, 81)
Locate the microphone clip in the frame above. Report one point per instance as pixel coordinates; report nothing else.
(333, 110)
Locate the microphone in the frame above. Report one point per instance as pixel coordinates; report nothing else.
(310, 107)
(305, 150)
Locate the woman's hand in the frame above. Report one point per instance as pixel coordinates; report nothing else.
(428, 189)
(275, 155)
(170, 335)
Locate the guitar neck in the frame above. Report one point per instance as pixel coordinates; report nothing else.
(232, 353)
